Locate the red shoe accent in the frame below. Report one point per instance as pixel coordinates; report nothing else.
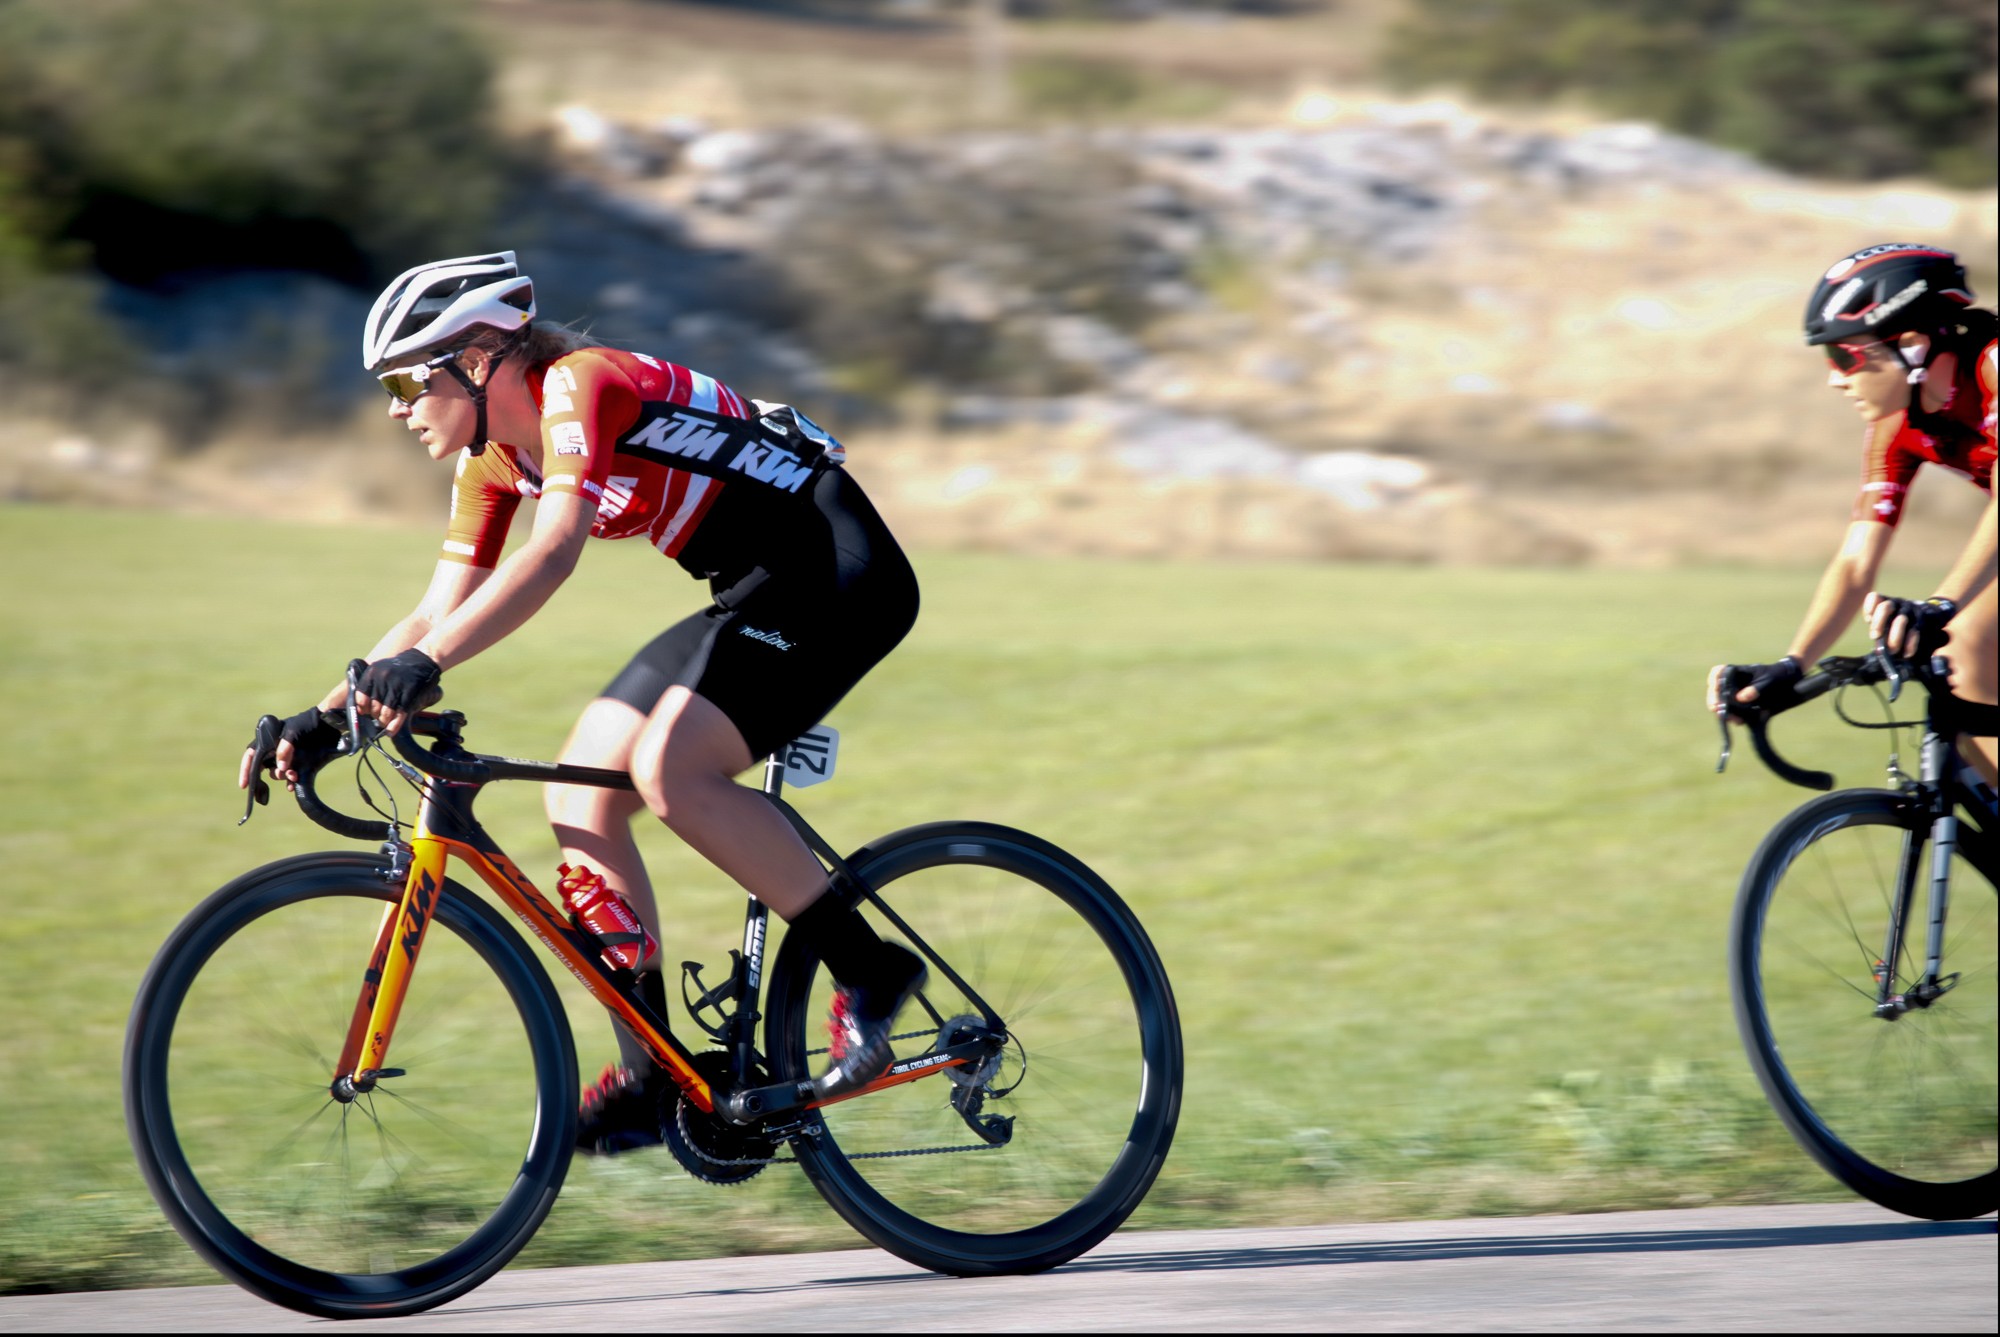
(840, 1026)
(611, 1083)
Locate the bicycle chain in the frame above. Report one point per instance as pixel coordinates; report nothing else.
(852, 1156)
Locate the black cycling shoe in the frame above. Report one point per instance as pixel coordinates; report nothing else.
(622, 1112)
(861, 1023)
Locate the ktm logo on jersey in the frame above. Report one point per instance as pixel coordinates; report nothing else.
(676, 435)
(726, 448)
(779, 468)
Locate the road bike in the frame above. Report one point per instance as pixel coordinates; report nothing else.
(1029, 1108)
(1864, 956)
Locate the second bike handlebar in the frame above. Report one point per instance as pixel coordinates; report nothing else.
(1758, 722)
(1947, 710)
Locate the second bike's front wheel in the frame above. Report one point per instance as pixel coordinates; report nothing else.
(1087, 1081)
(1902, 1107)
(385, 1203)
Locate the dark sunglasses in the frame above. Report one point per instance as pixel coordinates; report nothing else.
(406, 384)
(1850, 358)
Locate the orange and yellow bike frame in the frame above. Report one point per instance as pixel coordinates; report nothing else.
(387, 979)
(445, 828)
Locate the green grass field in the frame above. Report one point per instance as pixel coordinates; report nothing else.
(1436, 859)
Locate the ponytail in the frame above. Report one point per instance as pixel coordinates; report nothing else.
(1971, 330)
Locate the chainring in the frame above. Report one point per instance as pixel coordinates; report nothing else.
(708, 1146)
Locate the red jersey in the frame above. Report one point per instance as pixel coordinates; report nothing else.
(609, 433)
(1959, 436)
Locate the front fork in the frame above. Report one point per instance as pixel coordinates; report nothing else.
(386, 982)
(1930, 986)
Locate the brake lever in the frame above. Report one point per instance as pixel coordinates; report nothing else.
(355, 668)
(265, 737)
(1732, 681)
(1892, 672)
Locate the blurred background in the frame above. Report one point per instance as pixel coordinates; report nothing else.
(1410, 279)
(1337, 436)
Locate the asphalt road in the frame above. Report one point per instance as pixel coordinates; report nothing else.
(1763, 1269)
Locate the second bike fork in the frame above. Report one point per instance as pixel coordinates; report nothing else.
(1928, 987)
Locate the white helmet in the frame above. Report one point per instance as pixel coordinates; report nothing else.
(435, 303)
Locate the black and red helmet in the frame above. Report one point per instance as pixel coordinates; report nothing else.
(1881, 291)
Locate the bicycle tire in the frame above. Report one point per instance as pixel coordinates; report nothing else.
(196, 1128)
(1094, 1109)
(1801, 974)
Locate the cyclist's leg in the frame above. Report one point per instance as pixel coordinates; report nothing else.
(1975, 671)
(594, 826)
(684, 762)
(783, 649)
(776, 653)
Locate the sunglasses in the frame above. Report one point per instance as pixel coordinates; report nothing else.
(406, 384)
(1850, 358)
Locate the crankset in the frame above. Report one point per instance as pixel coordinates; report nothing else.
(707, 1145)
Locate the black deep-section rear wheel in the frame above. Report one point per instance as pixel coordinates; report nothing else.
(1902, 1110)
(390, 1203)
(1083, 1093)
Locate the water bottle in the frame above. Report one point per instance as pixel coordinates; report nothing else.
(606, 916)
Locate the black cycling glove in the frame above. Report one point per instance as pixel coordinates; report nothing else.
(1775, 684)
(1927, 618)
(407, 682)
(311, 737)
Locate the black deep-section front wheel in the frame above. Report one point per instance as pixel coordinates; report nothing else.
(1086, 1083)
(395, 1201)
(1902, 1109)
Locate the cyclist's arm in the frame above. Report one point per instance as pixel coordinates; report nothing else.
(1976, 566)
(1847, 580)
(1886, 474)
(1846, 583)
(451, 585)
(521, 584)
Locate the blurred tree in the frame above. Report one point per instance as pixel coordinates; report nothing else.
(1848, 88)
(338, 135)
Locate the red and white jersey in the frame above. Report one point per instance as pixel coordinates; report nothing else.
(588, 399)
(1960, 437)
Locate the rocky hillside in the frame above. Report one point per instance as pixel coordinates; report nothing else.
(1376, 329)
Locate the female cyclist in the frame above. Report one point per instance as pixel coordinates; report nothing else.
(810, 592)
(1918, 361)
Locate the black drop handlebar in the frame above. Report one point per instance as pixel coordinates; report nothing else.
(448, 762)
(1947, 711)
(1756, 716)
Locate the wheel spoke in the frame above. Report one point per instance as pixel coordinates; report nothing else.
(1914, 1095)
(234, 1097)
(1045, 953)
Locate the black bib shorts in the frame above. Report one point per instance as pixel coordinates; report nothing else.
(830, 595)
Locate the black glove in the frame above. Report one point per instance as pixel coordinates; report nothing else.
(1925, 617)
(407, 682)
(312, 739)
(1775, 684)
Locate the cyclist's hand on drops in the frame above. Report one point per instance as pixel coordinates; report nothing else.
(1771, 684)
(391, 690)
(1913, 628)
(280, 750)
